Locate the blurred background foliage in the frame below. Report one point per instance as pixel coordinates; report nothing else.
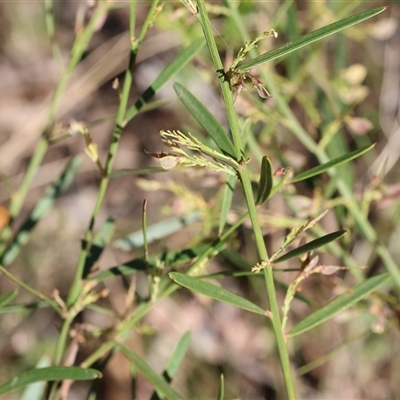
(345, 92)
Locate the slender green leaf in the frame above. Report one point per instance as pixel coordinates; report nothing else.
(333, 163)
(35, 390)
(103, 235)
(5, 298)
(158, 381)
(310, 38)
(58, 373)
(141, 264)
(100, 241)
(171, 70)
(226, 201)
(215, 292)
(310, 246)
(265, 185)
(42, 207)
(156, 231)
(177, 356)
(280, 285)
(174, 362)
(340, 303)
(206, 120)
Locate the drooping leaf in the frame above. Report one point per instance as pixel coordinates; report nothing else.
(200, 112)
(215, 292)
(340, 303)
(169, 71)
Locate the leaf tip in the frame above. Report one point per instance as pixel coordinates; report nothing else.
(172, 276)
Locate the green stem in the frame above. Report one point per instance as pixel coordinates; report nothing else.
(248, 192)
(119, 123)
(226, 90)
(62, 341)
(245, 180)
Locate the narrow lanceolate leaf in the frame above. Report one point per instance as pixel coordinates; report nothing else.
(206, 120)
(215, 292)
(330, 164)
(35, 390)
(310, 38)
(42, 207)
(171, 70)
(177, 356)
(57, 373)
(340, 303)
(265, 185)
(5, 298)
(158, 381)
(174, 362)
(310, 246)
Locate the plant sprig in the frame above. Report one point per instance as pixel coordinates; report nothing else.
(176, 140)
(238, 79)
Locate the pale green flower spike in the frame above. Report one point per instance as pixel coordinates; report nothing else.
(177, 140)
